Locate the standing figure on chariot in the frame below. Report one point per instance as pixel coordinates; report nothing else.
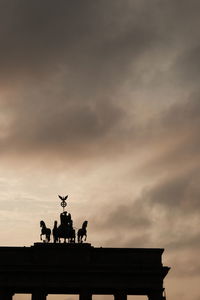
(64, 218)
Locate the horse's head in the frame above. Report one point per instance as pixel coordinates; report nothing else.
(85, 224)
(42, 223)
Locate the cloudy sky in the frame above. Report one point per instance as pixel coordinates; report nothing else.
(101, 100)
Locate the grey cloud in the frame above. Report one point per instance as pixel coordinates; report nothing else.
(188, 65)
(127, 225)
(91, 40)
(65, 66)
(126, 216)
(179, 192)
(184, 115)
(64, 127)
(98, 40)
(183, 242)
(137, 239)
(175, 137)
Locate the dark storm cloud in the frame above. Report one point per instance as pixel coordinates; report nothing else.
(68, 126)
(93, 40)
(63, 65)
(188, 65)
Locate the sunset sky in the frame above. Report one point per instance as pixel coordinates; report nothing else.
(100, 100)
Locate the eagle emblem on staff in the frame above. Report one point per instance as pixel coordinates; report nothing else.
(63, 203)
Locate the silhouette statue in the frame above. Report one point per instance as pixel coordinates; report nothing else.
(65, 230)
(82, 232)
(45, 231)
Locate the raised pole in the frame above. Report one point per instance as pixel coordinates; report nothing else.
(85, 295)
(121, 295)
(38, 295)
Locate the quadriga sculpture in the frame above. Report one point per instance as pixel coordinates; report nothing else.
(65, 230)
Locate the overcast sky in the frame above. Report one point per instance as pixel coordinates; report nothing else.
(101, 100)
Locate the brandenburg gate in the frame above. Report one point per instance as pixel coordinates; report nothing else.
(79, 268)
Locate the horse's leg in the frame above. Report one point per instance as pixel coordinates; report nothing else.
(48, 235)
(74, 237)
(79, 234)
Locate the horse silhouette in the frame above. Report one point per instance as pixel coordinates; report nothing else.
(82, 232)
(45, 231)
